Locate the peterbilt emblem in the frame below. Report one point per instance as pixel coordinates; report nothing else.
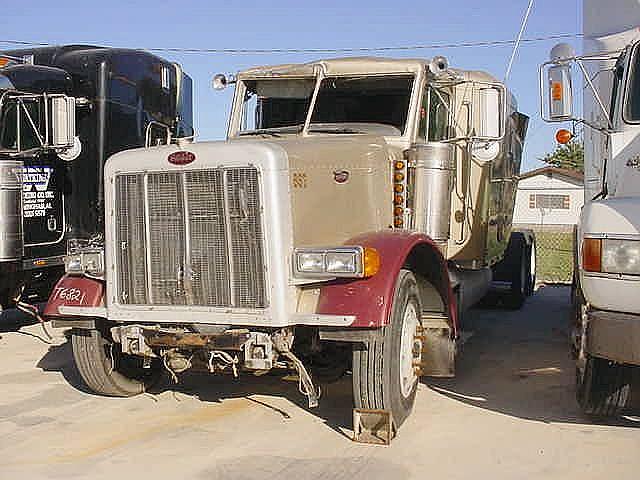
(634, 162)
(341, 176)
(181, 158)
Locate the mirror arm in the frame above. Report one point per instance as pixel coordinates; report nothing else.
(595, 93)
(32, 123)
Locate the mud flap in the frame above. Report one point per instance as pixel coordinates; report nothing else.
(438, 347)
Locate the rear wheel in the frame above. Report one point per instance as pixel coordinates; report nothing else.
(518, 264)
(384, 375)
(106, 370)
(603, 388)
(531, 270)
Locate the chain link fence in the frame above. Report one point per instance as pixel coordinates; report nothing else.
(554, 252)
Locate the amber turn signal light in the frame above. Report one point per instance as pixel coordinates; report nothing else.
(592, 255)
(371, 261)
(563, 136)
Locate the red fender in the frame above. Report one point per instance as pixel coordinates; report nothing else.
(370, 299)
(74, 291)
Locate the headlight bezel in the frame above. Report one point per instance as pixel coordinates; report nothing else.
(334, 262)
(604, 254)
(84, 258)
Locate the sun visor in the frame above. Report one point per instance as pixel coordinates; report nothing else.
(284, 88)
(38, 79)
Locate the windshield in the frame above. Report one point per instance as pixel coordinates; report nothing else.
(275, 104)
(372, 104)
(362, 103)
(20, 124)
(632, 108)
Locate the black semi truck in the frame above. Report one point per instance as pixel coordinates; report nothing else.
(63, 111)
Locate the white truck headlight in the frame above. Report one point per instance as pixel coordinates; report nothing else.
(349, 262)
(621, 256)
(608, 255)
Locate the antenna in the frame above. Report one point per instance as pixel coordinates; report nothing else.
(518, 40)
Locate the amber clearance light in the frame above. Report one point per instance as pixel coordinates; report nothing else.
(592, 255)
(563, 136)
(371, 262)
(181, 158)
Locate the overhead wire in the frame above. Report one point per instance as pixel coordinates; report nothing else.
(262, 51)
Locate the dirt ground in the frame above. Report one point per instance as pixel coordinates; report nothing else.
(509, 414)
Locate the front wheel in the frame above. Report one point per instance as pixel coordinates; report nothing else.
(107, 371)
(384, 373)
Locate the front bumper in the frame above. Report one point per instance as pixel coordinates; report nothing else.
(614, 336)
(176, 315)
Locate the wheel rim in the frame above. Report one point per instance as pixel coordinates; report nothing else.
(408, 354)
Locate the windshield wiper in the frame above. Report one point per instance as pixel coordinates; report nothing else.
(274, 131)
(261, 131)
(335, 130)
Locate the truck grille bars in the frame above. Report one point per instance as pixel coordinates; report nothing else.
(190, 238)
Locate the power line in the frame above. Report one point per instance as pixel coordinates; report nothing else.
(261, 51)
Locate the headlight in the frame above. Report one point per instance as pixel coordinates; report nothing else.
(350, 262)
(608, 255)
(84, 258)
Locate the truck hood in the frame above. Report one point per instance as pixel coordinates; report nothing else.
(338, 185)
(620, 216)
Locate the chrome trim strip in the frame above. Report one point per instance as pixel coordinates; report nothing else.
(613, 236)
(229, 235)
(147, 236)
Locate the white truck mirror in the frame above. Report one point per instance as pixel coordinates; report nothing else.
(560, 93)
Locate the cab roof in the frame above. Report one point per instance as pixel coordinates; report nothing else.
(355, 66)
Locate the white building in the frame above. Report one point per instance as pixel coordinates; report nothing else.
(549, 196)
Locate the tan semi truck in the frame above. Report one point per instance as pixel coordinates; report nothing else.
(358, 206)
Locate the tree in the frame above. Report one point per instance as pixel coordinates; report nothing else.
(569, 156)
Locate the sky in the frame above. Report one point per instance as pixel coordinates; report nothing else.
(309, 25)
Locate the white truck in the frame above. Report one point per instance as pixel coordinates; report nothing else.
(606, 326)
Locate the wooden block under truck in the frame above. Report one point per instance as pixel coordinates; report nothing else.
(357, 207)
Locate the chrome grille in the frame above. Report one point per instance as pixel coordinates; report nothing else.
(190, 238)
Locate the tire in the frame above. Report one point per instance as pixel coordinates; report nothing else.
(118, 376)
(603, 388)
(4, 300)
(382, 378)
(519, 271)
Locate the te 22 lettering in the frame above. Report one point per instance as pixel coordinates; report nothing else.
(72, 295)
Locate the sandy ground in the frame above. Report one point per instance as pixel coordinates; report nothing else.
(509, 414)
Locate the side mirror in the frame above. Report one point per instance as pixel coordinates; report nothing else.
(33, 122)
(560, 93)
(221, 81)
(490, 119)
(62, 122)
